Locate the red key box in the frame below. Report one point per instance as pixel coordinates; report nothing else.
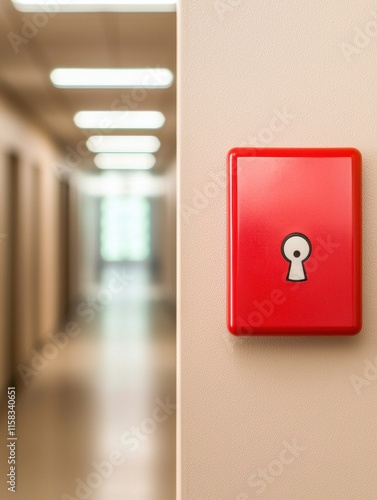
(294, 241)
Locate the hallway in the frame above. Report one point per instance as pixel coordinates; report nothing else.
(88, 249)
(95, 402)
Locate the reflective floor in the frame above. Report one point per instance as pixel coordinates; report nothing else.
(98, 420)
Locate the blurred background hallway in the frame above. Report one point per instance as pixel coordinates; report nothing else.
(87, 248)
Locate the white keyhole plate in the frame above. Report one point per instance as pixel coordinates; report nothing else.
(296, 249)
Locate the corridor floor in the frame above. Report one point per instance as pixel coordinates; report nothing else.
(98, 422)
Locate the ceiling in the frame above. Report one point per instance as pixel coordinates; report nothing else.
(88, 40)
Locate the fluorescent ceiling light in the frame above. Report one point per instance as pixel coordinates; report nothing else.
(116, 182)
(119, 119)
(125, 161)
(123, 144)
(160, 78)
(56, 6)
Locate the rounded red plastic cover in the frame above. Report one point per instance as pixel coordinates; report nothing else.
(294, 241)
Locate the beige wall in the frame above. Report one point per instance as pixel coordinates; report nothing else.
(243, 400)
(34, 150)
